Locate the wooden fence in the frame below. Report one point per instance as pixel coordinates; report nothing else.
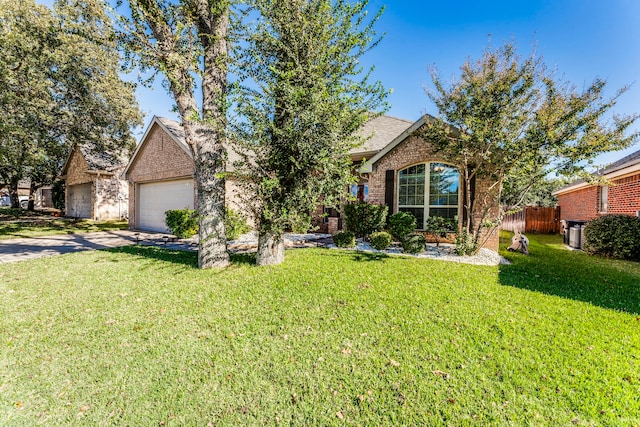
(533, 219)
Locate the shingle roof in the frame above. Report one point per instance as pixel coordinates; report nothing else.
(175, 128)
(625, 162)
(383, 130)
(98, 159)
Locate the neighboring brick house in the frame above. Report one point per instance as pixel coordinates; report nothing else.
(94, 188)
(161, 174)
(407, 175)
(582, 201)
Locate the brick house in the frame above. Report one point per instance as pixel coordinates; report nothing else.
(160, 176)
(94, 188)
(407, 175)
(582, 201)
(398, 169)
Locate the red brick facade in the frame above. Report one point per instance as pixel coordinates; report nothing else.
(409, 152)
(583, 204)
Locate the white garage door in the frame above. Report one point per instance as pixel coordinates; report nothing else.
(155, 198)
(79, 203)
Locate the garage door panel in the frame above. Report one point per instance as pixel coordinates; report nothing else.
(79, 203)
(155, 198)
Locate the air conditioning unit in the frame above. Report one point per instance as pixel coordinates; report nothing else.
(575, 237)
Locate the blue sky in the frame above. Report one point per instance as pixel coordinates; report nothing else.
(581, 39)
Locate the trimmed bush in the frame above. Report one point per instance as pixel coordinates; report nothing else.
(363, 218)
(401, 224)
(380, 240)
(344, 239)
(438, 226)
(615, 236)
(465, 244)
(414, 243)
(235, 224)
(183, 223)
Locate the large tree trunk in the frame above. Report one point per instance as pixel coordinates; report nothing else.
(210, 183)
(270, 249)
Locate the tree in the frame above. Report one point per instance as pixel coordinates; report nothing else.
(59, 85)
(186, 41)
(507, 117)
(302, 97)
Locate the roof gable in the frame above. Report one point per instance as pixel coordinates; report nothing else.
(380, 131)
(95, 158)
(368, 166)
(171, 128)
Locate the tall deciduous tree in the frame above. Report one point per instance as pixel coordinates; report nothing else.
(302, 98)
(509, 117)
(59, 85)
(186, 41)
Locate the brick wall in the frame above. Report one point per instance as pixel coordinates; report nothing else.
(412, 151)
(583, 204)
(624, 196)
(580, 205)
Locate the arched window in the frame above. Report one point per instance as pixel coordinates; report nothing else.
(429, 189)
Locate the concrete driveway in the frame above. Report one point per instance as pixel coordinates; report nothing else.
(37, 247)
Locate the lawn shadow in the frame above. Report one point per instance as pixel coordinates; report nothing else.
(186, 258)
(554, 270)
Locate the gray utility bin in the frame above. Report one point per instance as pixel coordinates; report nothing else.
(576, 236)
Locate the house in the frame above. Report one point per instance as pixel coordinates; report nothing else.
(93, 186)
(397, 169)
(42, 195)
(582, 201)
(408, 175)
(160, 176)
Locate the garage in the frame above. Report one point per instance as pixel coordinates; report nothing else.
(79, 203)
(155, 198)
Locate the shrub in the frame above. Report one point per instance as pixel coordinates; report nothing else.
(414, 243)
(344, 239)
(183, 223)
(364, 218)
(380, 240)
(438, 226)
(465, 244)
(235, 224)
(616, 236)
(401, 224)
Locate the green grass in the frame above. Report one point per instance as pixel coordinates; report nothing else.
(12, 227)
(139, 336)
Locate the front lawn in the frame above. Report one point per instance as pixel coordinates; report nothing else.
(139, 336)
(16, 223)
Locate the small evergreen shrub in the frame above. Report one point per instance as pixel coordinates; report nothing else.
(439, 226)
(235, 224)
(401, 224)
(380, 240)
(465, 244)
(363, 218)
(183, 223)
(414, 243)
(344, 239)
(615, 236)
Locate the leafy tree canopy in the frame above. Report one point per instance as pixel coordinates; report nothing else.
(511, 118)
(301, 98)
(59, 85)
